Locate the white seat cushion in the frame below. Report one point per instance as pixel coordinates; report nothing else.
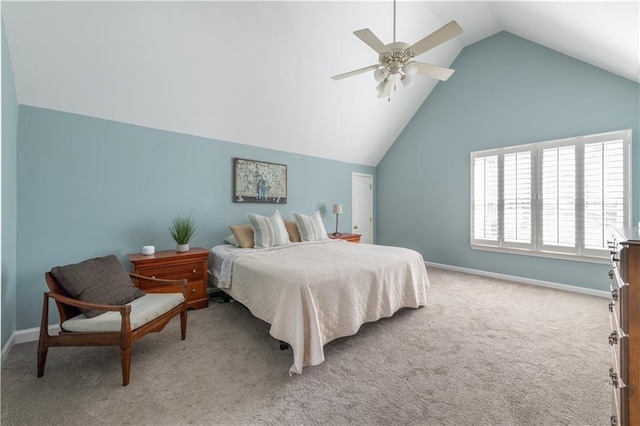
(145, 309)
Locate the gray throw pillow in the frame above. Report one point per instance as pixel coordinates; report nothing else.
(100, 280)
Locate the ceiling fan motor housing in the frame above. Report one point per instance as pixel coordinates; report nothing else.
(399, 55)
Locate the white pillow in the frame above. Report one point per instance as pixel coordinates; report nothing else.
(232, 240)
(311, 227)
(268, 231)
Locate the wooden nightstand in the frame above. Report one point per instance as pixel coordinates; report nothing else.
(352, 238)
(172, 265)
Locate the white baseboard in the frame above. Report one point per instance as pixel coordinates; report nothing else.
(25, 336)
(31, 334)
(557, 286)
(7, 347)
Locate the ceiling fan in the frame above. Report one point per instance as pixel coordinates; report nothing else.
(397, 58)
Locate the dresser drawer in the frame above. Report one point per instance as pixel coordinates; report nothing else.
(616, 279)
(191, 271)
(617, 367)
(618, 305)
(616, 314)
(619, 397)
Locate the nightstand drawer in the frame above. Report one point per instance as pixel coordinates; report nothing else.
(191, 271)
(195, 290)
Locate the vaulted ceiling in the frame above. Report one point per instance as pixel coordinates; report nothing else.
(258, 73)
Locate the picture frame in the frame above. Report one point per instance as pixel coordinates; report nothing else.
(259, 182)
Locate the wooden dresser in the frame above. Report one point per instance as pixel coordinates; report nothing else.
(171, 265)
(624, 339)
(352, 238)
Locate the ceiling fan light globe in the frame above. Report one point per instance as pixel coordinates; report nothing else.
(380, 74)
(406, 80)
(410, 68)
(383, 86)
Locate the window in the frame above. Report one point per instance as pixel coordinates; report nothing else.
(557, 198)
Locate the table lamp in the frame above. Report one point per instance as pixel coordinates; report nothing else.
(337, 210)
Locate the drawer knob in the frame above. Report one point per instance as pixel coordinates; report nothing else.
(193, 290)
(613, 338)
(153, 276)
(194, 271)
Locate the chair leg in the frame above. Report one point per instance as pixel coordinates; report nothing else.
(43, 341)
(183, 323)
(42, 359)
(125, 360)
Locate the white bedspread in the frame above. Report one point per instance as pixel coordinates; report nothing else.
(313, 293)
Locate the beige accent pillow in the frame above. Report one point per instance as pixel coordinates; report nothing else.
(292, 229)
(243, 234)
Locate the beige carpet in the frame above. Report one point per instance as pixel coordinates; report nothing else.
(482, 352)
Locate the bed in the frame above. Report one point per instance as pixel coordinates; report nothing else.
(314, 292)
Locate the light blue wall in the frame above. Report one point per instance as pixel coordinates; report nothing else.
(9, 194)
(505, 91)
(89, 187)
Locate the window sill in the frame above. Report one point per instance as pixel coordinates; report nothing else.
(547, 254)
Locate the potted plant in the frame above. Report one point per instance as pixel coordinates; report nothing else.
(182, 230)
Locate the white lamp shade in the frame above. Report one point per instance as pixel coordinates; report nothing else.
(337, 209)
(383, 88)
(410, 68)
(380, 74)
(406, 80)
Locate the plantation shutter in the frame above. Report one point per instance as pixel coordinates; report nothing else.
(485, 198)
(517, 192)
(604, 190)
(558, 182)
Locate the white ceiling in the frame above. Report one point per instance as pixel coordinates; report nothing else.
(258, 73)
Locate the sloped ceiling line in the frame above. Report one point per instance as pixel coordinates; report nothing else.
(258, 73)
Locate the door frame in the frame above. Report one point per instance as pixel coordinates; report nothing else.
(371, 205)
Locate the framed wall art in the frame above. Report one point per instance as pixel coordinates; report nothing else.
(259, 182)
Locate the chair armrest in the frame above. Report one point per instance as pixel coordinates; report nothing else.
(160, 281)
(88, 305)
(124, 310)
(183, 283)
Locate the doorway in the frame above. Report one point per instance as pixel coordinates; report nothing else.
(362, 206)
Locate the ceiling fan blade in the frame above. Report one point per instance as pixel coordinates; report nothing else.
(374, 42)
(436, 38)
(355, 72)
(434, 71)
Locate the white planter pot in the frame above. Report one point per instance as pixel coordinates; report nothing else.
(182, 248)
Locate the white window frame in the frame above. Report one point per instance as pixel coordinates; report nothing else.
(536, 248)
